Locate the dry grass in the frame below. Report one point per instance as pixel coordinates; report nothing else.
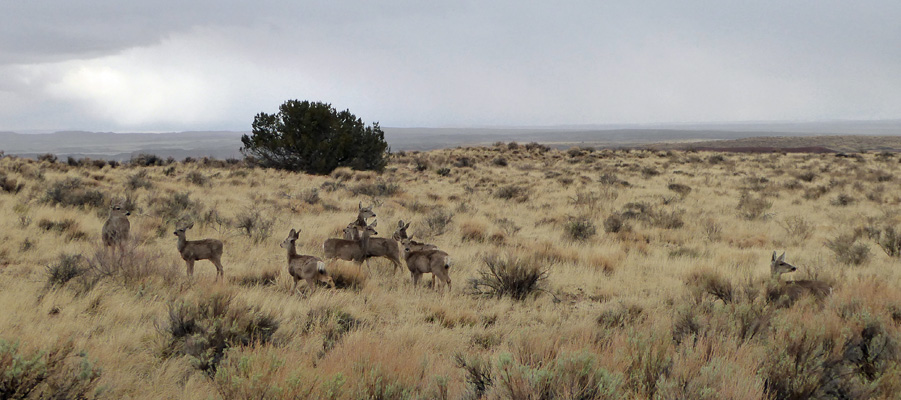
(644, 275)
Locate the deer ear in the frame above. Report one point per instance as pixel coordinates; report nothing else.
(400, 224)
(374, 223)
(191, 225)
(360, 206)
(782, 257)
(774, 256)
(407, 225)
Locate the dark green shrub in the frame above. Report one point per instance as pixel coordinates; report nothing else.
(316, 138)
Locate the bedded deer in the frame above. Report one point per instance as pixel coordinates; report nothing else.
(794, 289)
(350, 250)
(308, 268)
(115, 229)
(193, 250)
(420, 262)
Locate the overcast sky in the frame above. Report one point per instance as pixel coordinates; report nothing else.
(170, 65)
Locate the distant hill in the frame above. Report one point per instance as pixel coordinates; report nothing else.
(807, 144)
(122, 146)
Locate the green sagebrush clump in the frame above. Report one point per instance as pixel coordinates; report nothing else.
(57, 373)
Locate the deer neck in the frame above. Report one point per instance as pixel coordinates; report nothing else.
(364, 241)
(292, 251)
(361, 222)
(182, 242)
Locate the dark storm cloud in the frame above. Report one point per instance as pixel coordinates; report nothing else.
(150, 65)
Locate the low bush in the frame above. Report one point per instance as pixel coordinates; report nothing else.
(615, 224)
(10, 185)
(376, 189)
(848, 250)
(255, 225)
(512, 192)
(73, 193)
(203, 328)
(438, 221)
(197, 178)
(888, 239)
(139, 180)
(751, 207)
(509, 276)
(57, 373)
(66, 268)
(175, 207)
(579, 229)
(680, 189)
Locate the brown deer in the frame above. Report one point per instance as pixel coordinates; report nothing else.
(115, 229)
(308, 268)
(401, 233)
(350, 250)
(351, 232)
(378, 247)
(193, 250)
(420, 262)
(793, 290)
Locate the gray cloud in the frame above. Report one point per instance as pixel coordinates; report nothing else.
(111, 65)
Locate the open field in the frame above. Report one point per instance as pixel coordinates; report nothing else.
(652, 271)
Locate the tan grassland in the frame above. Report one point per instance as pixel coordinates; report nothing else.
(671, 305)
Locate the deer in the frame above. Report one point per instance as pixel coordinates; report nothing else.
(401, 233)
(350, 250)
(794, 289)
(193, 250)
(115, 229)
(308, 268)
(420, 262)
(360, 223)
(351, 232)
(378, 247)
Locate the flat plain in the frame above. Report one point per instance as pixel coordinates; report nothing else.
(581, 273)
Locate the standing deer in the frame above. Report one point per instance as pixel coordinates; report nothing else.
(193, 250)
(351, 232)
(308, 268)
(360, 223)
(794, 289)
(401, 233)
(378, 247)
(420, 262)
(115, 229)
(350, 250)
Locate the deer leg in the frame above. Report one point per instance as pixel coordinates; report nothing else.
(416, 276)
(219, 272)
(190, 266)
(294, 289)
